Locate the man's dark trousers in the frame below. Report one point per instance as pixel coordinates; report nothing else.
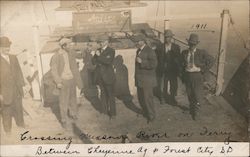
(146, 100)
(15, 109)
(107, 98)
(194, 87)
(172, 79)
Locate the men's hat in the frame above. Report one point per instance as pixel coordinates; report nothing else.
(5, 42)
(193, 38)
(168, 33)
(65, 41)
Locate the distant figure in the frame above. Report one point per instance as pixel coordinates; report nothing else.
(158, 47)
(105, 76)
(11, 87)
(90, 89)
(67, 77)
(145, 77)
(195, 63)
(172, 57)
(122, 91)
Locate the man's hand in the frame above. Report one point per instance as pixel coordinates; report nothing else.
(98, 53)
(59, 85)
(138, 59)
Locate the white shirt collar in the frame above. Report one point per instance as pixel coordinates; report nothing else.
(143, 46)
(6, 57)
(104, 48)
(192, 51)
(168, 47)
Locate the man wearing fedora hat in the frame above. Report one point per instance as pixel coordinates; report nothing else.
(145, 77)
(11, 87)
(104, 75)
(66, 75)
(195, 63)
(172, 57)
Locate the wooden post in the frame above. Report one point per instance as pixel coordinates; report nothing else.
(166, 26)
(222, 51)
(36, 86)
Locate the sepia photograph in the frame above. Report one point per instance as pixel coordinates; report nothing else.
(96, 73)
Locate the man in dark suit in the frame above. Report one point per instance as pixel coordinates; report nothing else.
(90, 90)
(158, 48)
(172, 57)
(195, 63)
(105, 76)
(11, 87)
(145, 77)
(66, 75)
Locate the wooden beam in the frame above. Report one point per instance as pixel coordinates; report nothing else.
(225, 19)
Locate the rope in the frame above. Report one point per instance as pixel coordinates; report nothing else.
(157, 11)
(164, 8)
(46, 17)
(237, 32)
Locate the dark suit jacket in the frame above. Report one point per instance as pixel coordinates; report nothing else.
(57, 66)
(145, 75)
(104, 66)
(159, 51)
(201, 59)
(12, 81)
(172, 60)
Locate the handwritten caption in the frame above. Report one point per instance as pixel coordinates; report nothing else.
(132, 149)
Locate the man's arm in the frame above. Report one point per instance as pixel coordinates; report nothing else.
(209, 61)
(178, 58)
(107, 59)
(53, 64)
(182, 65)
(19, 71)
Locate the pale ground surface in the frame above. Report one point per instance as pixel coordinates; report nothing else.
(216, 116)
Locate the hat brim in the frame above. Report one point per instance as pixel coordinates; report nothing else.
(5, 44)
(193, 42)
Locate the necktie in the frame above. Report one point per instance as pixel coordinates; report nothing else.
(192, 59)
(137, 52)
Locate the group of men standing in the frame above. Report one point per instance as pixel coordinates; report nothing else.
(156, 67)
(159, 67)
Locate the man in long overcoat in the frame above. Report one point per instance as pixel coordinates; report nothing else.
(104, 75)
(11, 87)
(172, 58)
(145, 77)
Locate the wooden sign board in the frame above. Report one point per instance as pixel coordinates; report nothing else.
(98, 22)
(96, 3)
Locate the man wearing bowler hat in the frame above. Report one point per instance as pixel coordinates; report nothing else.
(195, 62)
(172, 57)
(11, 87)
(145, 77)
(104, 75)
